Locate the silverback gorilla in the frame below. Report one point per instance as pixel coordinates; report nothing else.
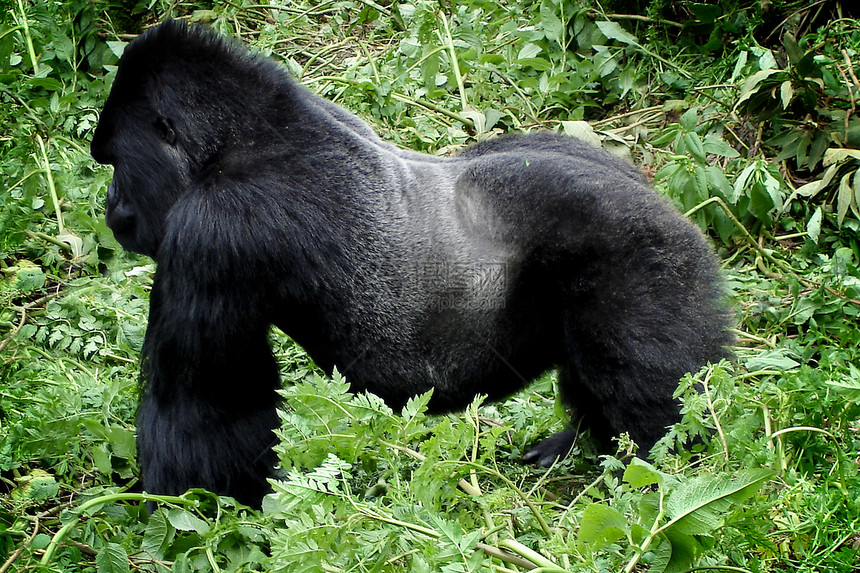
(264, 204)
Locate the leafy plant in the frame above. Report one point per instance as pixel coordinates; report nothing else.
(747, 128)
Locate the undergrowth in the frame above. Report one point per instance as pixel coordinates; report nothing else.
(745, 118)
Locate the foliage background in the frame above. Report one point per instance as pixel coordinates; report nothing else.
(743, 112)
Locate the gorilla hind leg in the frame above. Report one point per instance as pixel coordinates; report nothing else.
(632, 326)
(588, 414)
(627, 371)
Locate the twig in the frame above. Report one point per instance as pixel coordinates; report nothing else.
(505, 556)
(628, 114)
(850, 87)
(638, 18)
(5, 342)
(644, 120)
(750, 239)
(24, 308)
(48, 238)
(17, 553)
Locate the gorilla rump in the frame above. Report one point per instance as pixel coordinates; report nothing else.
(264, 204)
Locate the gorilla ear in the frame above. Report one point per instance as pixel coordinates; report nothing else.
(165, 129)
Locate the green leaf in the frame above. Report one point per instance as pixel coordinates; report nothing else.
(101, 459)
(792, 48)
(613, 31)
(717, 146)
(640, 473)
(705, 13)
(29, 278)
(761, 203)
(683, 550)
(660, 554)
(49, 84)
(429, 70)
(123, 442)
(581, 130)
(112, 559)
(772, 359)
(786, 92)
(185, 521)
(36, 486)
(539, 64)
(693, 143)
(552, 25)
(808, 190)
(717, 180)
(740, 184)
(416, 405)
(848, 386)
(690, 119)
(700, 505)
(157, 535)
(855, 203)
(64, 48)
(601, 526)
(813, 226)
(739, 66)
(750, 86)
(839, 154)
(529, 51)
(844, 197)
(117, 48)
(182, 564)
(766, 60)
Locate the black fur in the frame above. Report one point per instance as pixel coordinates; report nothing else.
(264, 204)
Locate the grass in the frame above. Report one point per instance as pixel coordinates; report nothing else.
(743, 120)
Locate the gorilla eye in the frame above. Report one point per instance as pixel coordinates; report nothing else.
(165, 129)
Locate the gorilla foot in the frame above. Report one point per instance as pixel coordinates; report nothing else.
(556, 447)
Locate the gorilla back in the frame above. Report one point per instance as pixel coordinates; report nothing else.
(264, 204)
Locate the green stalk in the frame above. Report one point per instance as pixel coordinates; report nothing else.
(455, 64)
(51, 187)
(29, 38)
(101, 500)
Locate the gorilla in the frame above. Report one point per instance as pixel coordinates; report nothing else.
(263, 204)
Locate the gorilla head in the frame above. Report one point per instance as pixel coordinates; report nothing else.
(161, 132)
(265, 204)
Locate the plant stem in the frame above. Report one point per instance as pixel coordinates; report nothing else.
(655, 531)
(29, 39)
(51, 187)
(705, 380)
(530, 554)
(101, 500)
(455, 64)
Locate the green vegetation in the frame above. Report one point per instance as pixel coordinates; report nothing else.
(745, 113)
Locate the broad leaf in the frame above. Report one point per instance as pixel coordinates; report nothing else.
(601, 525)
(700, 506)
(641, 474)
(614, 31)
(112, 559)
